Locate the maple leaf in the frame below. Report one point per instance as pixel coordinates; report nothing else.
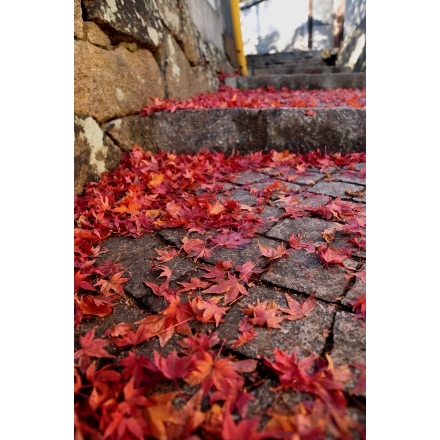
(244, 429)
(360, 386)
(230, 287)
(246, 270)
(297, 310)
(208, 310)
(229, 240)
(200, 342)
(195, 248)
(273, 253)
(247, 333)
(166, 255)
(264, 313)
(360, 306)
(173, 366)
(216, 208)
(113, 284)
(123, 336)
(80, 282)
(163, 290)
(219, 271)
(194, 284)
(330, 256)
(142, 369)
(91, 347)
(187, 419)
(92, 305)
(158, 414)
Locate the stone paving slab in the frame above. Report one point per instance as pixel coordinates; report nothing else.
(304, 272)
(332, 328)
(337, 130)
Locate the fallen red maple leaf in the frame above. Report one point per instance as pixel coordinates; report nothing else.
(297, 310)
(330, 255)
(90, 347)
(264, 313)
(273, 253)
(173, 366)
(208, 310)
(230, 287)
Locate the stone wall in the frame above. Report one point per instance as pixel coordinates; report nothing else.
(126, 53)
(354, 45)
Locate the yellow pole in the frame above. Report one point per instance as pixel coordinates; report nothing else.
(238, 40)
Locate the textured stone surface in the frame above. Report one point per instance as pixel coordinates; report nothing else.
(310, 229)
(246, 130)
(338, 130)
(307, 334)
(132, 130)
(78, 31)
(94, 152)
(127, 21)
(113, 83)
(337, 189)
(304, 81)
(305, 273)
(94, 35)
(136, 256)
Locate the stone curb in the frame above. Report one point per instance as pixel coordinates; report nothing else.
(337, 130)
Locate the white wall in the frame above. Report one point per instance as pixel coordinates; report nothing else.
(206, 15)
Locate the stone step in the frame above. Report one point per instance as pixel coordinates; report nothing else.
(299, 81)
(292, 59)
(298, 69)
(331, 130)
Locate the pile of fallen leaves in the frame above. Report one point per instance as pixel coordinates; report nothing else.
(202, 390)
(269, 97)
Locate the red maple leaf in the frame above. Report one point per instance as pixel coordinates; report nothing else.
(330, 256)
(244, 429)
(264, 313)
(229, 240)
(297, 310)
(93, 305)
(90, 347)
(113, 284)
(230, 287)
(173, 366)
(273, 253)
(208, 310)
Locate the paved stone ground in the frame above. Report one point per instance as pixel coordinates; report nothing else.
(333, 327)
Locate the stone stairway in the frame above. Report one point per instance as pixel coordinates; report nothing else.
(296, 70)
(332, 130)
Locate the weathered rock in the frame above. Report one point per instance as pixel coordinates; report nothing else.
(305, 273)
(94, 152)
(342, 190)
(113, 83)
(307, 334)
(127, 21)
(349, 343)
(246, 130)
(310, 229)
(136, 256)
(77, 20)
(94, 35)
(132, 130)
(329, 130)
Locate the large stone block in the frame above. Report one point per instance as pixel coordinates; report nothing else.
(114, 83)
(127, 21)
(94, 152)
